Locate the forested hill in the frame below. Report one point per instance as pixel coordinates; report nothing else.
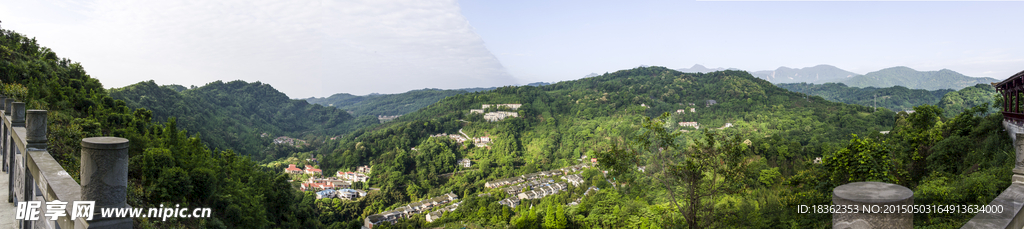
(389, 104)
(559, 123)
(910, 78)
(896, 98)
(394, 104)
(235, 115)
(954, 103)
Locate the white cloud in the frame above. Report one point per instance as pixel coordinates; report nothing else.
(425, 43)
(303, 48)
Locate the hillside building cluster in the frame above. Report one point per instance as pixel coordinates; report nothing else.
(478, 141)
(317, 184)
(695, 125)
(387, 118)
(497, 115)
(537, 185)
(308, 170)
(410, 210)
(348, 194)
(289, 141)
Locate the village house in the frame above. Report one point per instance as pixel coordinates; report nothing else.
(511, 202)
(513, 106)
(481, 141)
(315, 186)
(574, 168)
(573, 179)
(476, 111)
(333, 181)
(465, 163)
(388, 216)
(499, 115)
(350, 194)
(503, 182)
(542, 191)
(364, 169)
(292, 169)
(437, 214)
(352, 177)
(711, 102)
(695, 125)
(681, 111)
(312, 171)
(693, 110)
(326, 193)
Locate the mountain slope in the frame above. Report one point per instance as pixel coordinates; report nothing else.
(954, 103)
(235, 115)
(895, 98)
(910, 78)
(817, 74)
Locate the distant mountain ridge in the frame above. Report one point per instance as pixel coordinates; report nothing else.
(889, 77)
(910, 78)
(701, 69)
(896, 98)
(818, 74)
(394, 104)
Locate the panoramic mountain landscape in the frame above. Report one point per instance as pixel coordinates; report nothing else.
(770, 148)
(421, 114)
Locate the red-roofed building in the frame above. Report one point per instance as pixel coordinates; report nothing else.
(292, 169)
(316, 186)
(313, 171)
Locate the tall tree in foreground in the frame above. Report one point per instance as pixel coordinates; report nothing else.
(692, 175)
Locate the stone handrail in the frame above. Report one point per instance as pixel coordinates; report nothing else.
(35, 176)
(1012, 198)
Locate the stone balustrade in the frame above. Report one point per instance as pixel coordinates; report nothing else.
(35, 176)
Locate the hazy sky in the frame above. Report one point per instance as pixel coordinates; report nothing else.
(318, 48)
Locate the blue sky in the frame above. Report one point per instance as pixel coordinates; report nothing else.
(318, 48)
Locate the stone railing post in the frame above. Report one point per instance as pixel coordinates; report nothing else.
(104, 176)
(18, 115)
(35, 128)
(35, 118)
(872, 195)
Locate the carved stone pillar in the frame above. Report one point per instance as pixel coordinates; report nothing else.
(875, 196)
(104, 175)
